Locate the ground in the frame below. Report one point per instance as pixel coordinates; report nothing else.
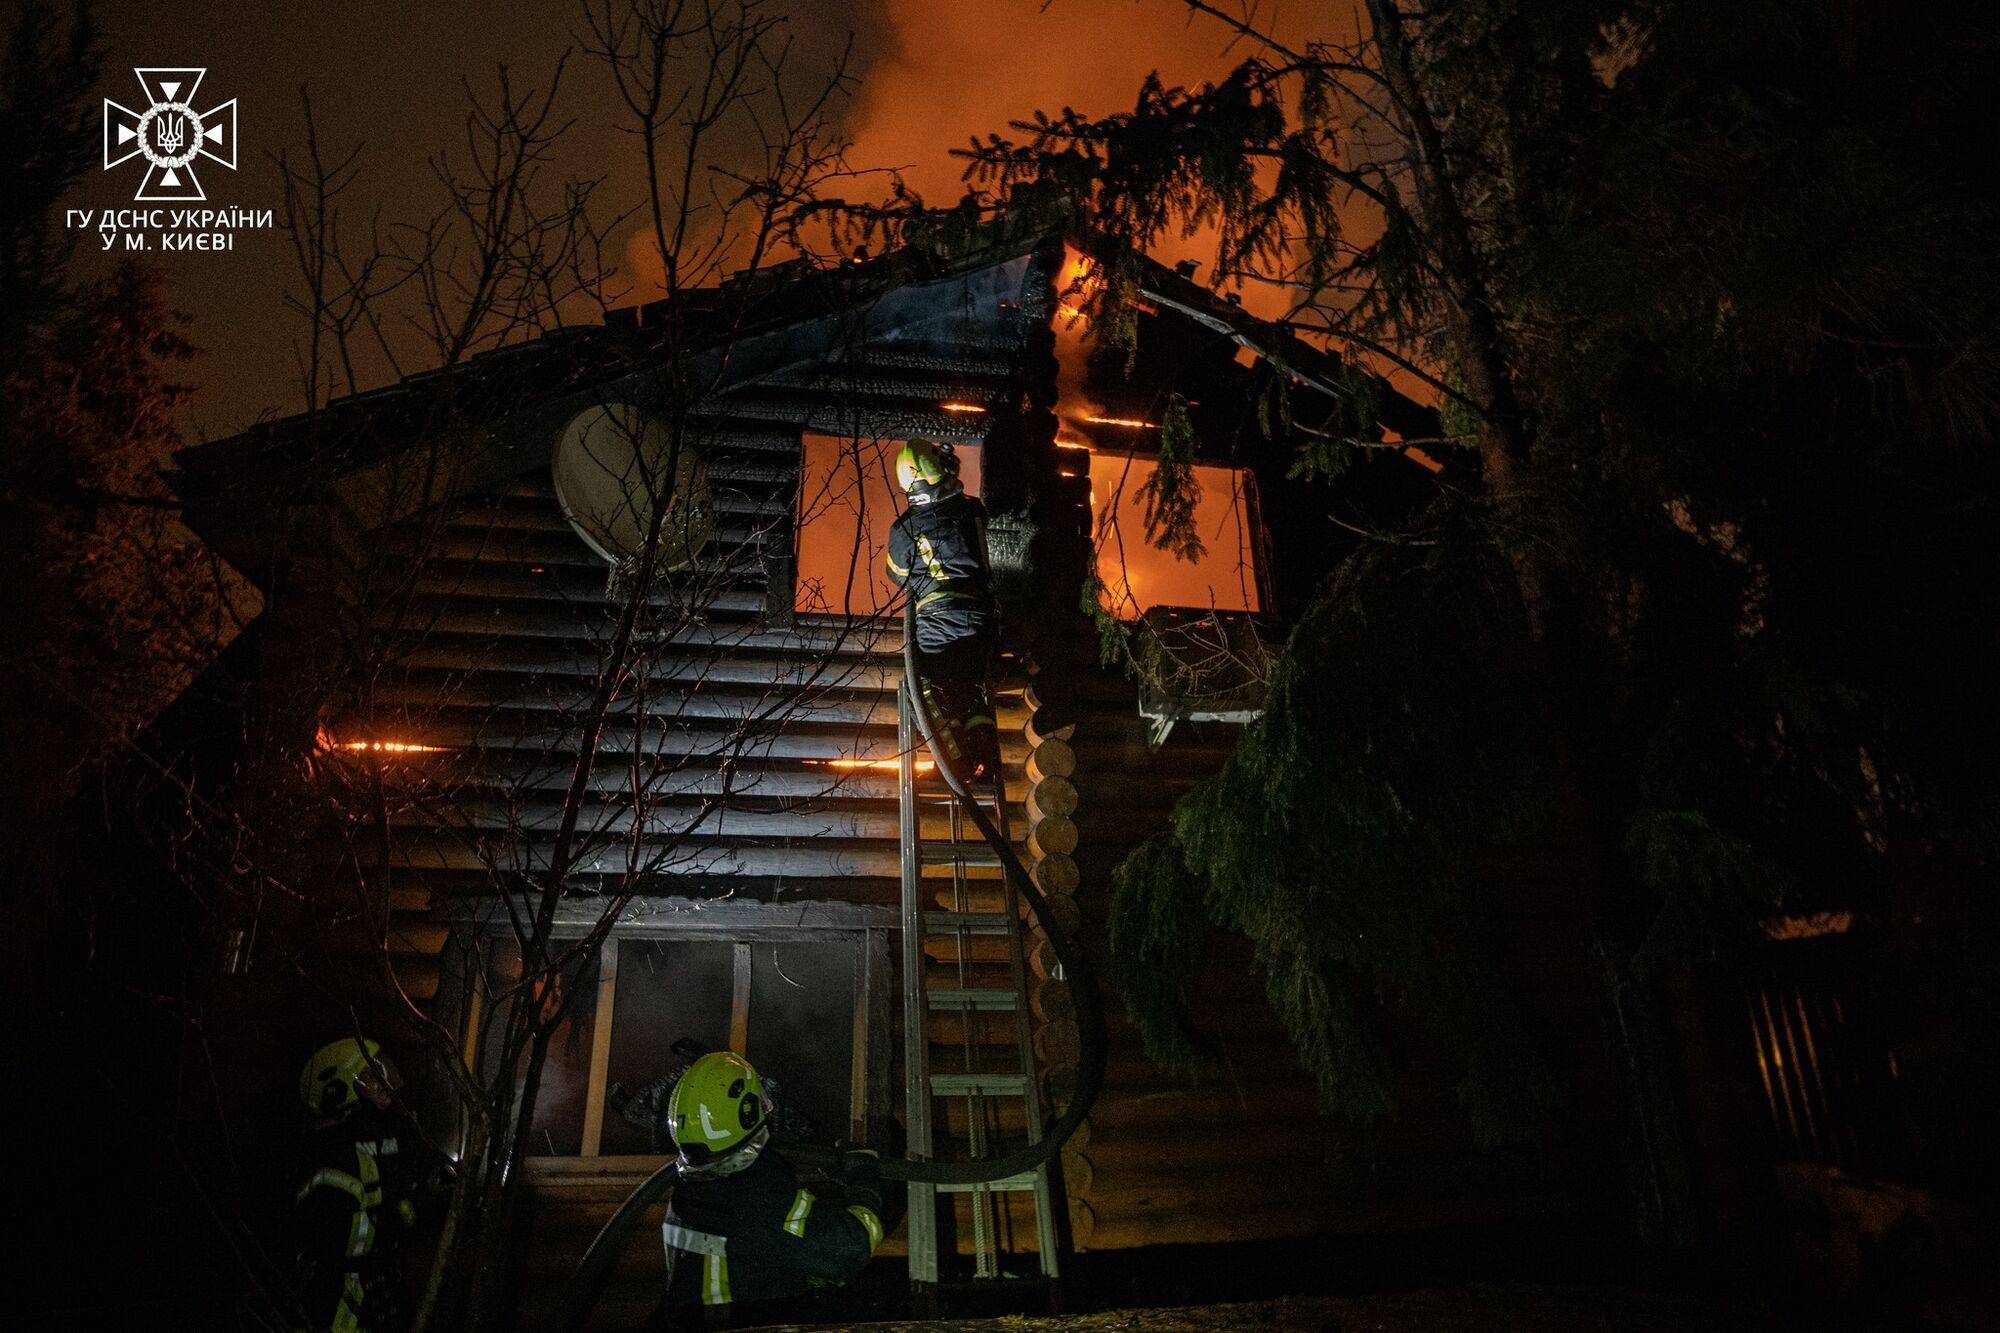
(1562, 1308)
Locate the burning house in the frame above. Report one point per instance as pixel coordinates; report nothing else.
(468, 638)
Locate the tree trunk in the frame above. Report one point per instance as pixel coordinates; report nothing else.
(1477, 346)
(1560, 651)
(455, 1224)
(504, 1183)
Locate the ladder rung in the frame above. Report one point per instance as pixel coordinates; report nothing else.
(1012, 1184)
(979, 1085)
(933, 853)
(972, 923)
(974, 999)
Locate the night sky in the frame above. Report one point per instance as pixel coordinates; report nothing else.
(389, 76)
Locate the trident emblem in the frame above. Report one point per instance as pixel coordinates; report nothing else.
(170, 134)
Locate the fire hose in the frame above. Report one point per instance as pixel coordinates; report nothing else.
(584, 1285)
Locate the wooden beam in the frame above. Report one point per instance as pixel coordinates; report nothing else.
(682, 918)
(600, 1048)
(739, 1007)
(881, 1034)
(857, 1064)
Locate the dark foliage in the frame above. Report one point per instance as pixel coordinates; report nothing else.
(1721, 328)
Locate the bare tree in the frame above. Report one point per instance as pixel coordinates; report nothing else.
(558, 792)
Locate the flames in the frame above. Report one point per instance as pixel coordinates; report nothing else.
(877, 765)
(1078, 287)
(962, 407)
(326, 740)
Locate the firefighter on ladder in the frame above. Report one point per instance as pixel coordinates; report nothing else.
(365, 1168)
(937, 552)
(744, 1239)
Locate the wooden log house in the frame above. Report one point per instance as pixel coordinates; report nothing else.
(771, 926)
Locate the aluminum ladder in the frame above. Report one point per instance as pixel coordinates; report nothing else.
(946, 988)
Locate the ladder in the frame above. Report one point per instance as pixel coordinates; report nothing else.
(967, 1045)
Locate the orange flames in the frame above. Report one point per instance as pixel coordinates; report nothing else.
(1078, 287)
(1123, 421)
(961, 407)
(881, 765)
(391, 747)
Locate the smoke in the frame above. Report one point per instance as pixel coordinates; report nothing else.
(936, 75)
(957, 71)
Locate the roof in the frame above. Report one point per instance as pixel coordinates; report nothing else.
(887, 340)
(955, 321)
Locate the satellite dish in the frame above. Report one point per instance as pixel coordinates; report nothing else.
(613, 465)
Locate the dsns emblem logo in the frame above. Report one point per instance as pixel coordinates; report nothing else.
(170, 134)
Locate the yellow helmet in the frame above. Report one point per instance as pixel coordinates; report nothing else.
(925, 462)
(328, 1084)
(715, 1108)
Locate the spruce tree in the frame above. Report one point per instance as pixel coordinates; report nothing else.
(1712, 609)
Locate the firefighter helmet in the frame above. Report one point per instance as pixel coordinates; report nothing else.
(331, 1080)
(922, 462)
(716, 1108)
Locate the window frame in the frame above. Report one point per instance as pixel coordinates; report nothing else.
(972, 462)
(864, 928)
(1254, 550)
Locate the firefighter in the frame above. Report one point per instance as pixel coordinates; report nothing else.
(647, 1108)
(937, 552)
(741, 1231)
(364, 1166)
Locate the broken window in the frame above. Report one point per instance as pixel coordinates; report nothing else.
(795, 1002)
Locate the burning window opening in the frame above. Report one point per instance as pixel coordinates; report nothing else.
(1136, 576)
(848, 500)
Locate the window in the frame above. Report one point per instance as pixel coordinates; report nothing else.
(664, 990)
(796, 1001)
(1137, 575)
(848, 499)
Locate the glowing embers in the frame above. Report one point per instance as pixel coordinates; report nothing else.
(377, 745)
(963, 407)
(875, 765)
(1073, 460)
(1130, 422)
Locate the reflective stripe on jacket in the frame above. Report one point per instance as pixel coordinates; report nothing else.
(353, 1204)
(938, 552)
(760, 1235)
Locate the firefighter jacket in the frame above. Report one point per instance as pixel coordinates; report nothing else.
(359, 1181)
(760, 1235)
(938, 552)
